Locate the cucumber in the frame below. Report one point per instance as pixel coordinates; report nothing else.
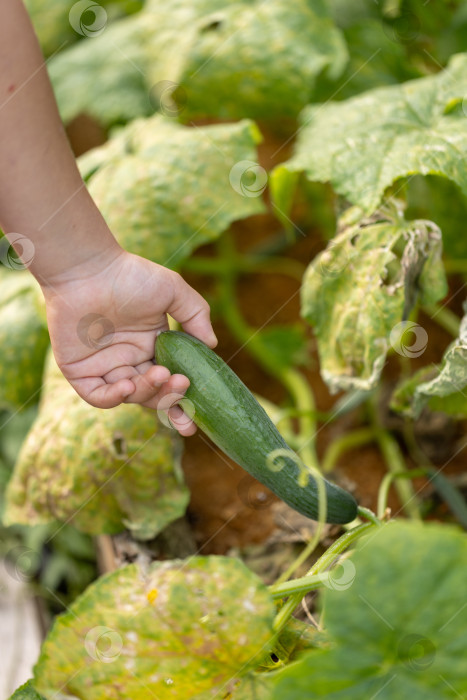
(228, 413)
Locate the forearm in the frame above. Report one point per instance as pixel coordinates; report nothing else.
(42, 195)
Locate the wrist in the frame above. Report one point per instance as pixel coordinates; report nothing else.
(76, 245)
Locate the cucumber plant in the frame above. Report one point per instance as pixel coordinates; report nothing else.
(376, 175)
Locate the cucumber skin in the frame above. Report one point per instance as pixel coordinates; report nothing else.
(227, 411)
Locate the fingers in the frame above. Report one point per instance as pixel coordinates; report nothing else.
(98, 393)
(158, 389)
(181, 421)
(147, 384)
(154, 384)
(155, 389)
(192, 311)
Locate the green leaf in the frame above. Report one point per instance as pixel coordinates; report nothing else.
(449, 387)
(286, 344)
(23, 339)
(375, 59)
(51, 20)
(165, 189)
(363, 144)
(400, 629)
(362, 285)
(26, 692)
(255, 686)
(101, 470)
(227, 59)
(103, 76)
(181, 629)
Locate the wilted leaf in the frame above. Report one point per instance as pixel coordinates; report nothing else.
(26, 692)
(231, 59)
(363, 144)
(448, 390)
(23, 339)
(164, 189)
(400, 629)
(182, 629)
(101, 470)
(440, 200)
(356, 291)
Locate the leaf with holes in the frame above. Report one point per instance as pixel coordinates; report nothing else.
(364, 144)
(392, 641)
(101, 470)
(160, 203)
(357, 291)
(178, 630)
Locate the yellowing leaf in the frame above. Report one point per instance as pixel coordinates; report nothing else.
(164, 189)
(101, 470)
(23, 339)
(209, 625)
(363, 144)
(447, 391)
(362, 286)
(220, 58)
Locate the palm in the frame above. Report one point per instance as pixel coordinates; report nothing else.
(103, 330)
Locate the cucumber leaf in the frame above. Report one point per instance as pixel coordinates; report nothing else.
(448, 390)
(362, 285)
(374, 58)
(164, 189)
(440, 200)
(100, 470)
(181, 629)
(400, 629)
(24, 339)
(363, 144)
(51, 20)
(228, 59)
(26, 692)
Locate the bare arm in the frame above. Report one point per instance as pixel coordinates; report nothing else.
(84, 273)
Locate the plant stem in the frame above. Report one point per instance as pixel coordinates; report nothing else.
(444, 317)
(386, 485)
(323, 562)
(367, 514)
(396, 466)
(297, 585)
(344, 443)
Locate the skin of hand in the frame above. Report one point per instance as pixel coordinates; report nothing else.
(110, 358)
(105, 306)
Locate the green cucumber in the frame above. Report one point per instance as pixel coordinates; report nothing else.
(226, 410)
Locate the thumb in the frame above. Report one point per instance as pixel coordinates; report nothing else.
(192, 311)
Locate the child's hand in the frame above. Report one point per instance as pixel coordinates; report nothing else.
(103, 328)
